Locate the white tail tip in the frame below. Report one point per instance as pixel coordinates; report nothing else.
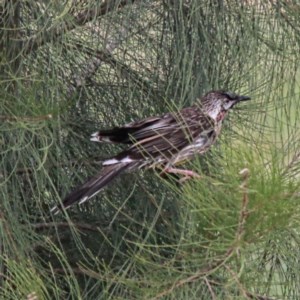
(94, 139)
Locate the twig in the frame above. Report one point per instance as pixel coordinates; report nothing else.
(65, 271)
(25, 118)
(243, 212)
(64, 224)
(235, 277)
(259, 297)
(105, 56)
(247, 294)
(213, 296)
(295, 159)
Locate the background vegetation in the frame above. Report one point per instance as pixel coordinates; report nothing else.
(70, 67)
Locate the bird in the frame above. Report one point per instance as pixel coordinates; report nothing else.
(160, 142)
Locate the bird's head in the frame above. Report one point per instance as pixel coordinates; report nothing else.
(217, 103)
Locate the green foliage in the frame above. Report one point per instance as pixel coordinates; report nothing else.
(69, 67)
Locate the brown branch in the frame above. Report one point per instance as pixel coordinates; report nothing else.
(81, 19)
(213, 296)
(259, 297)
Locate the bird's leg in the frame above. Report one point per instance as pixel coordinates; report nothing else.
(187, 173)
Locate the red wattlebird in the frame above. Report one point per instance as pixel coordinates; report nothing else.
(160, 142)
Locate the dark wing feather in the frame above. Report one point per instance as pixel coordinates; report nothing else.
(126, 134)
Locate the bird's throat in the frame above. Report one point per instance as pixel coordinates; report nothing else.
(221, 115)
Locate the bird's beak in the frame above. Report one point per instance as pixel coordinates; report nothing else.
(243, 98)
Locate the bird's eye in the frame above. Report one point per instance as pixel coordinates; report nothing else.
(230, 95)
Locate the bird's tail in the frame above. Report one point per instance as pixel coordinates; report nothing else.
(92, 186)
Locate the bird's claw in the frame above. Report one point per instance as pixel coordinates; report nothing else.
(187, 174)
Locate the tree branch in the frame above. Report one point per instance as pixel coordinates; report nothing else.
(81, 19)
(99, 57)
(201, 273)
(83, 226)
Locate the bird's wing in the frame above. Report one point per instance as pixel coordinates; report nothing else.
(171, 127)
(167, 136)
